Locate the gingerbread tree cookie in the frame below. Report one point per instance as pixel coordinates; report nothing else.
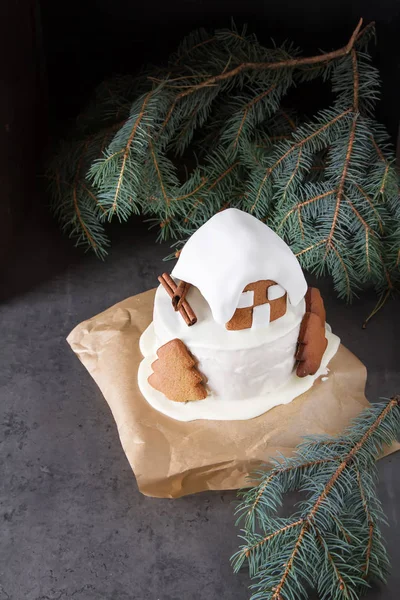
(175, 373)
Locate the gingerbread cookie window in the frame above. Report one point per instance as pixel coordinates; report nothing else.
(260, 303)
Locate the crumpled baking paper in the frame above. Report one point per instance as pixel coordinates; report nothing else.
(172, 458)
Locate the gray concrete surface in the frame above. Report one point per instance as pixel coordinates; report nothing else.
(73, 524)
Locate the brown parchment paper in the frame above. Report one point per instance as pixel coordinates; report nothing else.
(172, 458)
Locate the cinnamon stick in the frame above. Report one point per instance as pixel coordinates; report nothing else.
(185, 310)
(180, 294)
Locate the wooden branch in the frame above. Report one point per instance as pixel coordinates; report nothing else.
(224, 174)
(93, 197)
(280, 470)
(202, 184)
(195, 205)
(348, 459)
(382, 189)
(264, 179)
(249, 549)
(356, 80)
(81, 221)
(370, 524)
(349, 151)
(372, 206)
(213, 39)
(157, 168)
(311, 247)
(292, 176)
(368, 230)
(301, 226)
(381, 302)
(288, 63)
(296, 145)
(185, 310)
(342, 181)
(288, 119)
(246, 109)
(71, 185)
(108, 131)
(289, 564)
(299, 206)
(263, 66)
(342, 585)
(75, 197)
(127, 148)
(346, 273)
(378, 150)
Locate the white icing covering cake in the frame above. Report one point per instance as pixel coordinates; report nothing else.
(232, 250)
(246, 371)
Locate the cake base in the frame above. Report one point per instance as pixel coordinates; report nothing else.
(216, 409)
(172, 458)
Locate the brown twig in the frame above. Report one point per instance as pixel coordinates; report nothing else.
(280, 470)
(108, 131)
(263, 66)
(381, 302)
(342, 181)
(289, 564)
(201, 184)
(370, 524)
(213, 39)
(289, 119)
(127, 148)
(185, 310)
(342, 584)
(367, 228)
(75, 198)
(193, 210)
(249, 549)
(246, 109)
(293, 175)
(224, 174)
(93, 197)
(299, 206)
(292, 148)
(340, 190)
(385, 161)
(311, 247)
(372, 206)
(157, 168)
(345, 270)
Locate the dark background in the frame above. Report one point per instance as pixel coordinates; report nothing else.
(87, 40)
(53, 54)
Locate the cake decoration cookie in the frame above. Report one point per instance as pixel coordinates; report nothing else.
(175, 373)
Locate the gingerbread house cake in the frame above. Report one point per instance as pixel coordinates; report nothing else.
(236, 330)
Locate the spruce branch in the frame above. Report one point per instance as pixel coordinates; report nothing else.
(288, 63)
(328, 184)
(334, 543)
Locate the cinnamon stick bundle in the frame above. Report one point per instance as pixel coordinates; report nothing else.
(180, 294)
(185, 310)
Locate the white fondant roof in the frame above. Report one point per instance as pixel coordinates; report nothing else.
(232, 250)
